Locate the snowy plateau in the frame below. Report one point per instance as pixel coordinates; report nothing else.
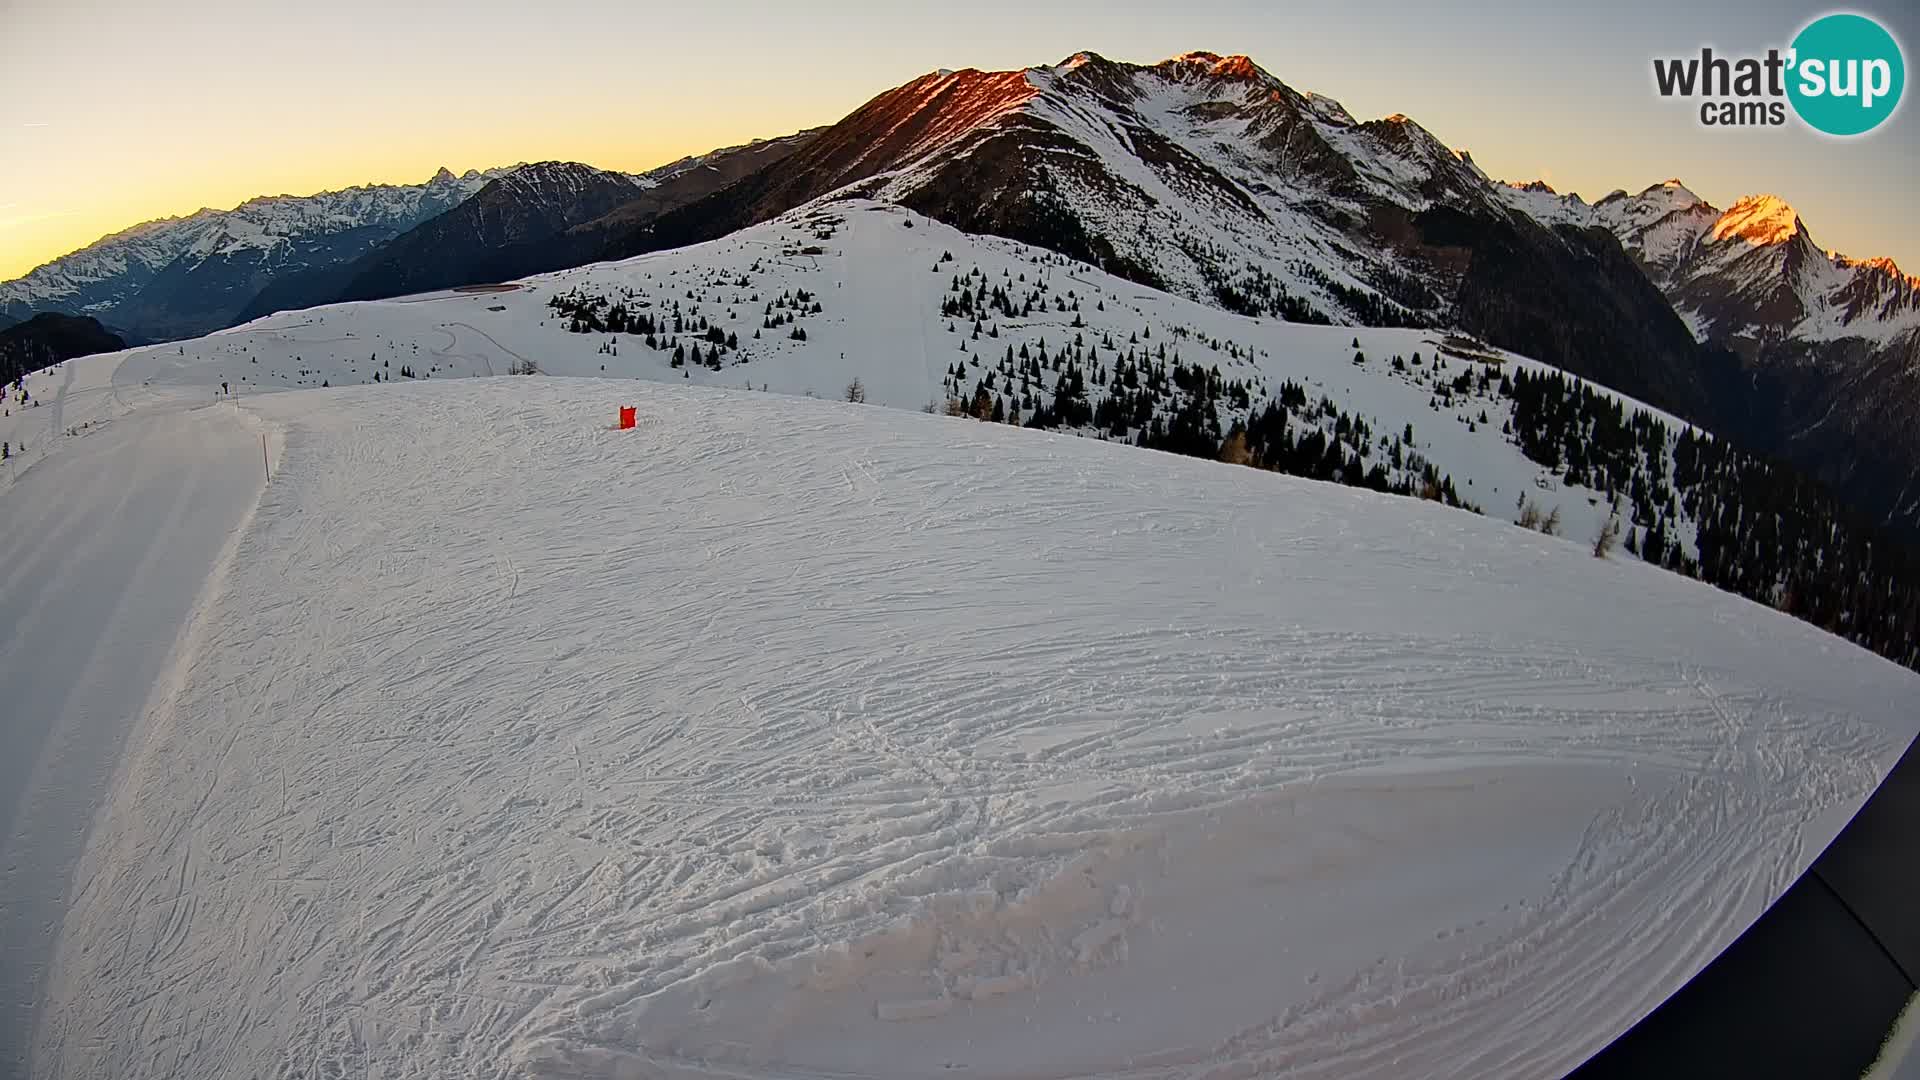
(779, 737)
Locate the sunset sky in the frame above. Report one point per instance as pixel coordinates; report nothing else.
(114, 112)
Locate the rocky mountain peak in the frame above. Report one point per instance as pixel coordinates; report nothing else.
(1213, 64)
(1760, 220)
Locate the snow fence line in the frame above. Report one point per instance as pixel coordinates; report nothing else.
(273, 444)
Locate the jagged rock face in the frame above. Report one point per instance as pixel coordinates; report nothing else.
(1749, 276)
(1206, 176)
(684, 181)
(489, 237)
(1828, 346)
(1199, 174)
(904, 124)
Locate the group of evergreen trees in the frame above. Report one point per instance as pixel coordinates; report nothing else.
(1258, 292)
(686, 334)
(1701, 507)
(1145, 393)
(1760, 529)
(1289, 436)
(1767, 532)
(1013, 297)
(1397, 300)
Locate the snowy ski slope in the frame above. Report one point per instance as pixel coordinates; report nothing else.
(879, 274)
(782, 738)
(104, 549)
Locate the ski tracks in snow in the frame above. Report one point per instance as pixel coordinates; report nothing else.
(106, 548)
(802, 739)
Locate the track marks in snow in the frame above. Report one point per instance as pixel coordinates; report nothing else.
(808, 739)
(107, 546)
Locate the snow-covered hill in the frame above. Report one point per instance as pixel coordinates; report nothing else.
(781, 738)
(898, 298)
(1208, 177)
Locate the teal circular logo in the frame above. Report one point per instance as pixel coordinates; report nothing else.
(1847, 74)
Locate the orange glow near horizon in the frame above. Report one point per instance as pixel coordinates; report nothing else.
(31, 237)
(114, 112)
(31, 240)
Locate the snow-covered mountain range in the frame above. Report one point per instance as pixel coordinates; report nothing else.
(182, 276)
(534, 219)
(1202, 174)
(474, 241)
(1208, 177)
(1829, 345)
(1750, 275)
(923, 314)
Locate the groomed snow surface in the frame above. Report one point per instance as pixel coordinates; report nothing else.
(790, 738)
(107, 545)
